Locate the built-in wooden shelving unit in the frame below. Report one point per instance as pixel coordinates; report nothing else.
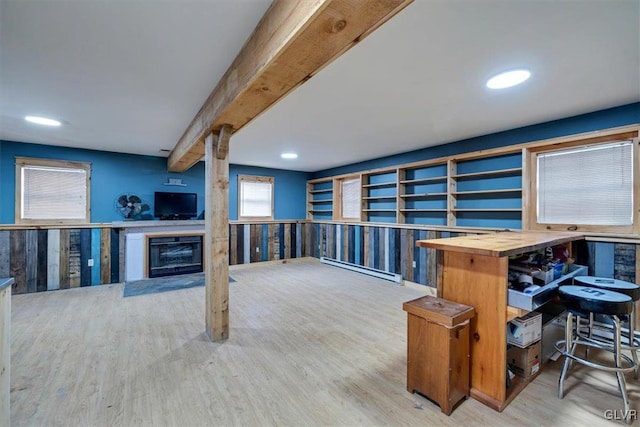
(320, 199)
(480, 190)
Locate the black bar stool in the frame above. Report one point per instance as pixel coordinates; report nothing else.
(580, 301)
(627, 288)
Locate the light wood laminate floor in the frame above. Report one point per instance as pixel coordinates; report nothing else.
(309, 345)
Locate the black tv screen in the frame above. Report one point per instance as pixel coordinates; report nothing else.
(175, 205)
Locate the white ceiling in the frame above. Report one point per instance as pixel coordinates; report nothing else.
(128, 76)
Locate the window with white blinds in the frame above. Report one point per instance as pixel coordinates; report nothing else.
(351, 194)
(50, 190)
(589, 185)
(255, 197)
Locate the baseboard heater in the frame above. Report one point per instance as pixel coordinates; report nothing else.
(397, 278)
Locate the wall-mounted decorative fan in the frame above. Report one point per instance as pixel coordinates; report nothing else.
(128, 205)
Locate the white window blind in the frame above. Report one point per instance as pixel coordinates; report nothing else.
(255, 199)
(351, 198)
(586, 185)
(53, 193)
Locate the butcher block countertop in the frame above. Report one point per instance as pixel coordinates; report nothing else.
(501, 244)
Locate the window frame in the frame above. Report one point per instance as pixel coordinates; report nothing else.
(260, 179)
(531, 175)
(337, 198)
(22, 162)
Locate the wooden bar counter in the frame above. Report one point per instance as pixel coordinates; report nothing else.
(475, 270)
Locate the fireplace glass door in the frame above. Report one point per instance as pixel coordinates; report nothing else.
(175, 255)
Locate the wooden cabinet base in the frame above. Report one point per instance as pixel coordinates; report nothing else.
(438, 356)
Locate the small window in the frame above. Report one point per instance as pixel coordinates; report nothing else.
(587, 187)
(350, 196)
(52, 191)
(255, 197)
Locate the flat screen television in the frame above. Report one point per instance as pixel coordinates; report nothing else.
(175, 205)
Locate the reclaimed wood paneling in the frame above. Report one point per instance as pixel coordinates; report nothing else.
(18, 261)
(31, 246)
(5, 245)
(58, 258)
(624, 266)
(374, 238)
(240, 244)
(65, 281)
(365, 250)
(255, 231)
(382, 246)
(287, 241)
(431, 275)
(397, 251)
(292, 240)
(53, 260)
(116, 270)
(105, 255)
(298, 240)
(247, 243)
(411, 245)
(84, 249)
(267, 255)
(41, 274)
(96, 278)
(74, 258)
(359, 243)
(344, 242)
(233, 244)
(351, 243)
(421, 254)
(271, 237)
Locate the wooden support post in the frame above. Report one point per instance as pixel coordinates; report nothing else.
(216, 238)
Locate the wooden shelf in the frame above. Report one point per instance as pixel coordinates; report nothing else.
(326, 190)
(423, 180)
(378, 210)
(321, 211)
(489, 210)
(496, 172)
(501, 190)
(321, 201)
(380, 198)
(422, 196)
(423, 210)
(380, 184)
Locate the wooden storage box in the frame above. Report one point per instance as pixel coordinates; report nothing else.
(438, 350)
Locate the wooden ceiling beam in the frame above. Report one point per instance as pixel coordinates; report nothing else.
(293, 41)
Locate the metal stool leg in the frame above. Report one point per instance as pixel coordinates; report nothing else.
(568, 347)
(617, 344)
(632, 342)
(586, 348)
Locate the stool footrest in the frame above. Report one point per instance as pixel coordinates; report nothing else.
(562, 349)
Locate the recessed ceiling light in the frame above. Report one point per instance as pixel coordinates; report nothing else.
(289, 155)
(42, 121)
(508, 79)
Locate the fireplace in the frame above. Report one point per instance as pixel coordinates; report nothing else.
(175, 255)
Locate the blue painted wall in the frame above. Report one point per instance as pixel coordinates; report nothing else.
(116, 173)
(612, 117)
